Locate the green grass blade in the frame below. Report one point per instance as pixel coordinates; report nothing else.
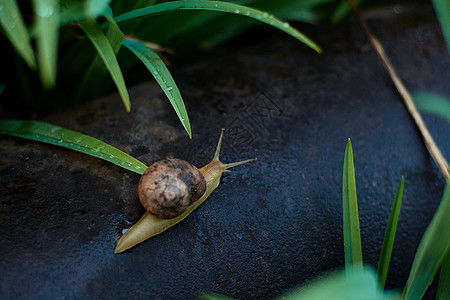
(355, 285)
(15, 30)
(442, 8)
(59, 136)
(220, 7)
(352, 236)
(106, 52)
(389, 236)
(343, 9)
(443, 291)
(95, 8)
(47, 30)
(92, 84)
(211, 296)
(434, 245)
(162, 75)
(433, 103)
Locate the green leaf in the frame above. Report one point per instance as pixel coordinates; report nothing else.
(2, 87)
(211, 296)
(389, 236)
(106, 52)
(162, 75)
(353, 285)
(92, 84)
(434, 245)
(59, 136)
(442, 8)
(352, 236)
(15, 30)
(95, 8)
(220, 7)
(433, 103)
(47, 30)
(443, 291)
(343, 9)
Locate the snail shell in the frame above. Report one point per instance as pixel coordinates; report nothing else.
(168, 187)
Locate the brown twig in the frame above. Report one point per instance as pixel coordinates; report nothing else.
(406, 97)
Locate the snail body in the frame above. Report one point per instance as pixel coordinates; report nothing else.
(164, 209)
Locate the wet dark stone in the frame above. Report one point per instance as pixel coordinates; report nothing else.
(272, 224)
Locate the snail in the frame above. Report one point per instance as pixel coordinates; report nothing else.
(170, 190)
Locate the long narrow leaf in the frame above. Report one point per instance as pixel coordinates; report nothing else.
(442, 8)
(343, 9)
(354, 285)
(389, 236)
(434, 245)
(106, 52)
(47, 29)
(433, 103)
(95, 8)
(352, 236)
(443, 292)
(162, 75)
(15, 30)
(92, 84)
(220, 7)
(59, 136)
(211, 296)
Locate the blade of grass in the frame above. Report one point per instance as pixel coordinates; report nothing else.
(443, 291)
(442, 8)
(220, 7)
(433, 103)
(92, 84)
(162, 75)
(343, 9)
(352, 236)
(354, 285)
(106, 52)
(15, 30)
(59, 136)
(95, 8)
(211, 296)
(434, 245)
(389, 236)
(47, 30)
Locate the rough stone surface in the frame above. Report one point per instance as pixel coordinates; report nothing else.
(272, 224)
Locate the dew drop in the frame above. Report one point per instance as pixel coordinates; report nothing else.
(286, 25)
(236, 11)
(169, 88)
(45, 11)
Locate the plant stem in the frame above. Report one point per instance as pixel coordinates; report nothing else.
(406, 97)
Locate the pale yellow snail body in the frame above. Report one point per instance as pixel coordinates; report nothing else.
(150, 224)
